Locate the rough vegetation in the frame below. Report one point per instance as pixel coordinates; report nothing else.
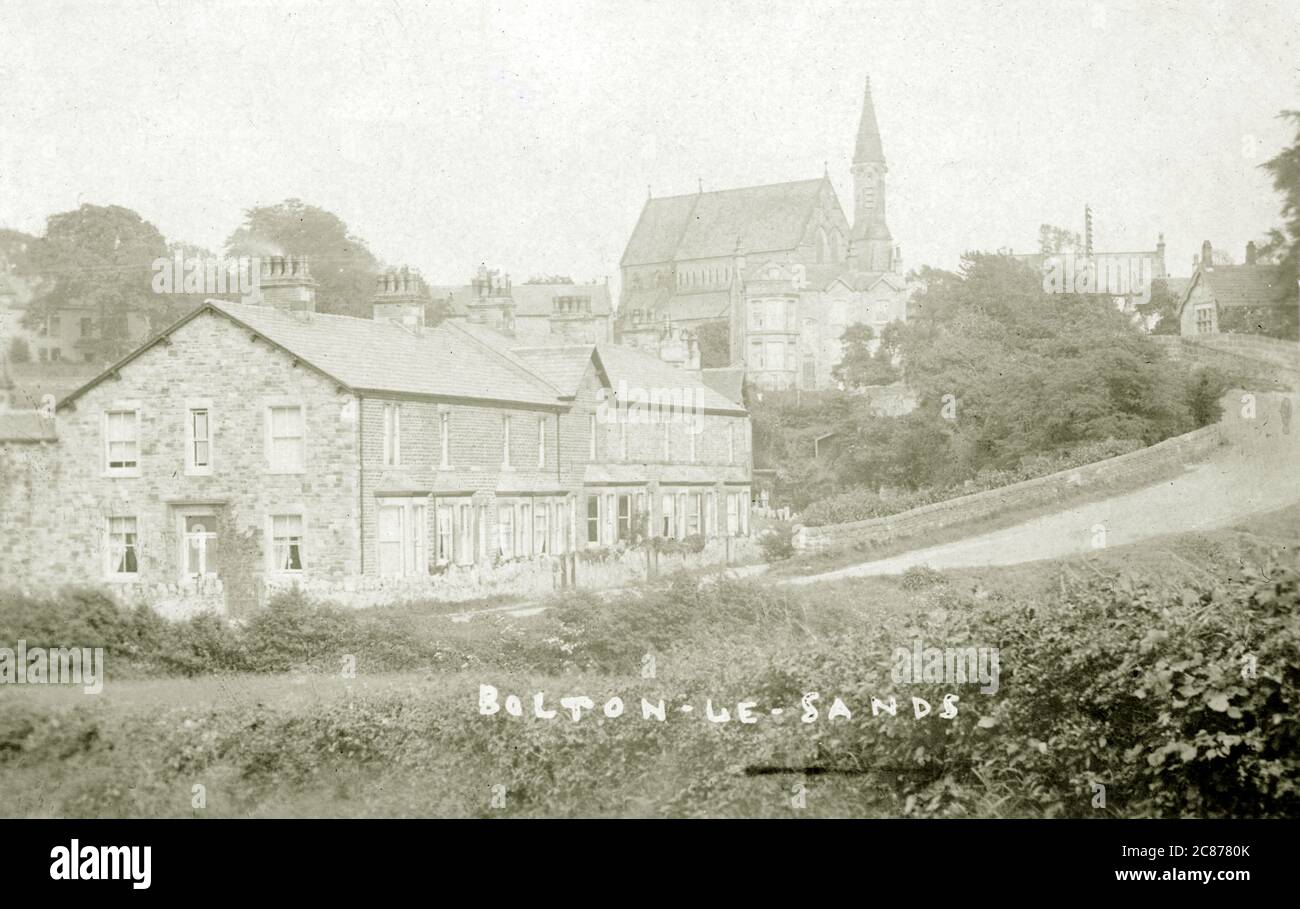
(1005, 375)
(1169, 676)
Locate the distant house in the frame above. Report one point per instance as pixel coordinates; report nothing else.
(1128, 279)
(562, 310)
(1255, 298)
(66, 335)
(36, 386)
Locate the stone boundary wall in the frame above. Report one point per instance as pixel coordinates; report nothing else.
(1273, 350)
(1251, 352)
(1147, 465)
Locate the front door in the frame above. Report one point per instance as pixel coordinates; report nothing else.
(200, 550)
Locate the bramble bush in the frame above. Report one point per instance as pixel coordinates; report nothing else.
(1180, 699)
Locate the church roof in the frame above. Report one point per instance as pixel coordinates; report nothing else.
(708, 225)
(868, 147)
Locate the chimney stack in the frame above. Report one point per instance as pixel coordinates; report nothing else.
(285, 282)
(1251, 253)
(1207, 255)
(400, 296)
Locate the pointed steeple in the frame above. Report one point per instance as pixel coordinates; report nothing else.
(869, 148)
(870, 244)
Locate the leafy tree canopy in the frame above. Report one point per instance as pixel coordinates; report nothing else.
(100, 259)
(341, 263)
(861, 366)
(1285, 170)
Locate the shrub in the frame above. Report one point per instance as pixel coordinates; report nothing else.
(919, 577)
(777, 541)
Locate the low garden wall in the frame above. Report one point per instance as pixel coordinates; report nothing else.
(1147, 465)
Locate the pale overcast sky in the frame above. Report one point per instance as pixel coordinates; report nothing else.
(525, 134)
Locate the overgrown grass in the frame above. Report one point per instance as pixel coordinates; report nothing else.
(1121, 668)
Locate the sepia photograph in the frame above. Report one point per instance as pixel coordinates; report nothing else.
(816, 410)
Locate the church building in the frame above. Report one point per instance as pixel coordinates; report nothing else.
(779, 265)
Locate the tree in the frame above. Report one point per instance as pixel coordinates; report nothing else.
(1053, 240)
(861, 366)
(1285, 170)
(1027, 373)
(1205, 395)
(549, 279)
(99, 258)
(14, 245)
(342, 264)
(1162, 308)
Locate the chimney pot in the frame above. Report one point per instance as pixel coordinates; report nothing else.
(1207, 255)
(1251, 253)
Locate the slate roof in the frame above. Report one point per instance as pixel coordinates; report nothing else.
(706, 225)
(560, 364)
(646, 371)
(381, 356)
(1248, 285)
(563, 366)
(728, 381)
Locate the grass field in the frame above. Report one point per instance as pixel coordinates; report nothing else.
(410, 741)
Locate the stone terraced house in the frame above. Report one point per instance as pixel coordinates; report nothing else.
(254, 447)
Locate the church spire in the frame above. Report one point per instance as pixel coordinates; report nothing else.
(869, 148)
(871, 246)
